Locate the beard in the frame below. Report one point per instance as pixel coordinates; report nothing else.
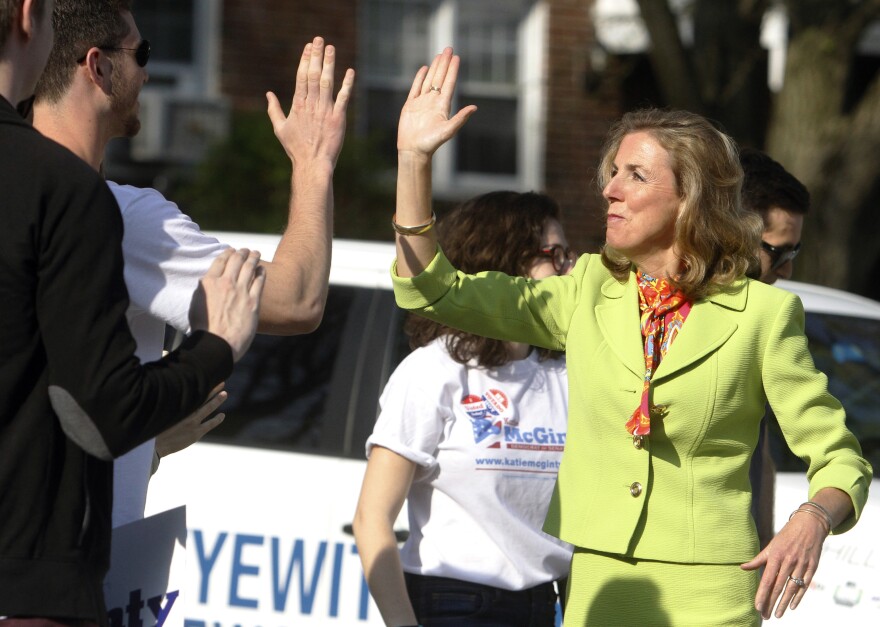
(124, 104)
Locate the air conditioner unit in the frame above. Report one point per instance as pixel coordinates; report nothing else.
(179, 129)
(194, 126)
(147, 145)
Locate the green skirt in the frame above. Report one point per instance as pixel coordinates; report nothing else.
(610, 590)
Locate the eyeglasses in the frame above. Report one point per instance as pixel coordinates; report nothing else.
(141, 53)
(780, 255)
(561, 256)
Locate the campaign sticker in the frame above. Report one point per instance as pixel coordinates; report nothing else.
(474, 406)
(497, 402)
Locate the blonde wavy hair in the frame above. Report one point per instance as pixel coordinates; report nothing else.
(716, 240)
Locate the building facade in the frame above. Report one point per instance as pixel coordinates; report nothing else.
(530, 66)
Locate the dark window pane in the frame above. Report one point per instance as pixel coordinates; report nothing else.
(279, 390)
(395, 38)
(383, 111)
(169, 25)
(847, 350)
(488, 143)
(393, 47)
(486, 33)
(487, 38)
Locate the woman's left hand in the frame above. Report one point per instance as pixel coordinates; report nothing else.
(789, 561)
(425, 124)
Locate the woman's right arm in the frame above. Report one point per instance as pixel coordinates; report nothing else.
(386, 484)
(424, 126)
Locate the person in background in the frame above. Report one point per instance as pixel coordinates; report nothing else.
(672, 356)
(73, 396)
(782, 201)
(87, 95)
(470, 434)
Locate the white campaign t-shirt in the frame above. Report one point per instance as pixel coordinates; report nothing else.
(165, 256)
(488, 444)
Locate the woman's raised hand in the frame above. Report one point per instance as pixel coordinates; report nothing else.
(425, 124)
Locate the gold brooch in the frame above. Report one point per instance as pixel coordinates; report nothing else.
(659, 411)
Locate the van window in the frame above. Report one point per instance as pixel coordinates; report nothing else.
(316, 393)
(847, 350)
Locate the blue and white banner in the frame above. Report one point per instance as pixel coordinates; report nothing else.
(147, 571)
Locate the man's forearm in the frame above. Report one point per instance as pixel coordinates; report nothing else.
(311, 135)
(296, 287)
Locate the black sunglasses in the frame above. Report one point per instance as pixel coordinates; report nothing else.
(780, 255)
(559, 255)
(141, 53)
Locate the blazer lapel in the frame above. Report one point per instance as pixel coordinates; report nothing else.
(707, 327)
(618, 317)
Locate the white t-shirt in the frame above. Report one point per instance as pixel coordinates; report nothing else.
(165, 256)
(488, 444)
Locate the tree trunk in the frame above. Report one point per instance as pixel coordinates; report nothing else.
(827, 142)
(732, 66)
(671, 64)
(832, 151)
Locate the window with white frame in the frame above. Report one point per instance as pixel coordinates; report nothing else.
(501, 44)
(181, 109)
(184, 37)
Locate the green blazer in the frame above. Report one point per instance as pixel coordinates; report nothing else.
(684, 495)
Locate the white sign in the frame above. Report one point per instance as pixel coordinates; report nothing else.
(267, 537)
(147, 569)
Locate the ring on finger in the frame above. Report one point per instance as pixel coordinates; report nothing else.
(434, 88)
(798, 581)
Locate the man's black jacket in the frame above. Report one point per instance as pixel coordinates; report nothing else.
(72, 394)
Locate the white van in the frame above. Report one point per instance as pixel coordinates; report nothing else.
(271, 493)
(844, 334)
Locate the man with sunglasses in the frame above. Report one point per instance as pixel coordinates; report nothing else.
(72, 394)
(782, 201)
(88, 95)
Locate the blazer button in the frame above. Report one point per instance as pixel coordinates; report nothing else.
(638, 441)
(635, 489)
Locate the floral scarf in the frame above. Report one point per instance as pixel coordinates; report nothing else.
(663, 311)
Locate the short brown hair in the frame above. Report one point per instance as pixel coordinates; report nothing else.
(8, 10)
(79, 26)
(766, 184)
(498, 231)
(716, 239)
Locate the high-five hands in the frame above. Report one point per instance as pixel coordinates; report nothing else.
(315, 127)
(425, 124)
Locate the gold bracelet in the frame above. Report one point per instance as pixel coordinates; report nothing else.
(413, 230)
(814, 513)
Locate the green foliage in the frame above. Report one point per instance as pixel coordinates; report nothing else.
(364, 189)
(244, 184)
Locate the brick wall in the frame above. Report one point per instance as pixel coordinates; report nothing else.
(577, 121)
(262, 42)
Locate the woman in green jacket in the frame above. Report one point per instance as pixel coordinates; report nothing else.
(672, 355)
